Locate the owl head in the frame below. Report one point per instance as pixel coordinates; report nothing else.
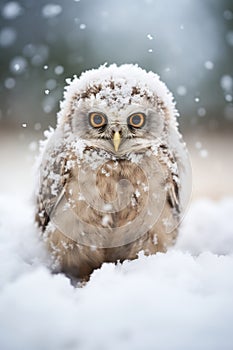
(118, 109)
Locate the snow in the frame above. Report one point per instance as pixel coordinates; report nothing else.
(181, 90)
(209, 65)
(178, 300)
(49, 102)
(203, 153)
(228, 97)
(201, 111)
(11, 10)
(207, 228)
(82, 26)
(51, 10)
(58, 70)
(37, 126)
(226, 83)
(18, 65)
(51, 84)
(150, 37)
(105, 220)
(7, 36)
(198, 145)
(9, 83)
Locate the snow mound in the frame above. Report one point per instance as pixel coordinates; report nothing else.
(178, 300)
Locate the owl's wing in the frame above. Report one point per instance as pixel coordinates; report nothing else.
(172, 182)
(53, 175)
(173, 194)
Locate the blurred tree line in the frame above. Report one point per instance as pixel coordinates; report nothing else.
(188, 43)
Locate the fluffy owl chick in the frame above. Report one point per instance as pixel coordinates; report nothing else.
(114, 173)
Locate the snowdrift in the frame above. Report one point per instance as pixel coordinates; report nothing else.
(179, 300)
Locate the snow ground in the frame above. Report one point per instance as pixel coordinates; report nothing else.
(179, 300)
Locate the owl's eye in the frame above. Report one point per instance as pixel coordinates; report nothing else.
(97, 120)
(136, 120)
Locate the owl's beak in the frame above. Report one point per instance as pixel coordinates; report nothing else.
(116, 140)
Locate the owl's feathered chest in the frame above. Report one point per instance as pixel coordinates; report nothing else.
(111, 192)
(94, 196)
(109, 182)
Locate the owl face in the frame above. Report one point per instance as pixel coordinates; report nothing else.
(115, 129)
(118, 109)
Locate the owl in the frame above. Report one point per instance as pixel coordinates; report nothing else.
(114, 175)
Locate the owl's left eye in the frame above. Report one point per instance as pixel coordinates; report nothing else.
(97, 120)
(136, 120)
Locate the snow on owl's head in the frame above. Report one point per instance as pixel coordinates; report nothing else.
(118, 108)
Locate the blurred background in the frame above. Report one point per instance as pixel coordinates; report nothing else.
(189, 43)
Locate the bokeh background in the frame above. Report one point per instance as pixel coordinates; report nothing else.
(189, 43)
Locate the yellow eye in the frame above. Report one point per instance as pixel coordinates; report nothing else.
(97, 120)
(136, 120)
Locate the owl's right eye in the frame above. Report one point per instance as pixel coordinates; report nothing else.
(97, 120)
